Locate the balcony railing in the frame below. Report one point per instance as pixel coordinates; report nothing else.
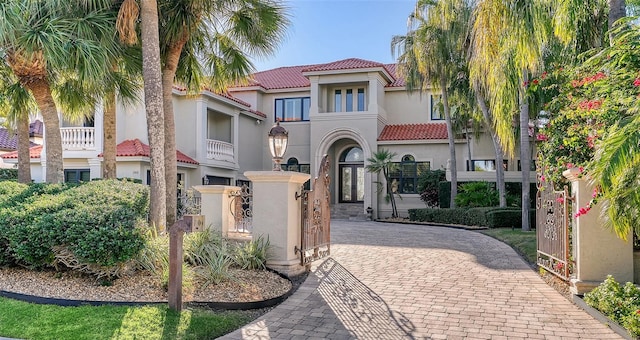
(78, 138)
(220, 151)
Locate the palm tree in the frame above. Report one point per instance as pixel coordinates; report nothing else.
(382, 162)
(506, 44)
(47, 42)
(215, 38)
(152, 75)
(15, 104)
(122, 84)
(431, 55)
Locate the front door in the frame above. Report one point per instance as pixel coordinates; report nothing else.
(351, 183)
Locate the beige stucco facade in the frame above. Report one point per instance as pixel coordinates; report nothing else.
(226, 134)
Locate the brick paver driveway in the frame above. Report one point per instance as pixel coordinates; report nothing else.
(394, 281)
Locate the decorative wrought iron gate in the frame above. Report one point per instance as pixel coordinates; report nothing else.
(552, 229)
(316, 218)
(241, 208)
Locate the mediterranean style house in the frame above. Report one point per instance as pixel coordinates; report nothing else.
(346, 109)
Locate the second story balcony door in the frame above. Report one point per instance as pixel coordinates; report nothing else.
(351, 173)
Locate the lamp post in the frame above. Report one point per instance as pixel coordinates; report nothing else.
(278, 138)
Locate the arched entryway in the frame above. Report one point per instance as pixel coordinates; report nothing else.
(351, 173)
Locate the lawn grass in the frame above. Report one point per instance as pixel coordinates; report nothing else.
(523, 242)
(30, 321)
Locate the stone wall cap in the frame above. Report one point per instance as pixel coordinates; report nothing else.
(214, 189)
(573, 174)
(277, 176)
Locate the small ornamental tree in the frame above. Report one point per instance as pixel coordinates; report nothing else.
(382, 162)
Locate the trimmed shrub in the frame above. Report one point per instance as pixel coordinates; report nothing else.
(492, 217)
(8, 174)
(444, 194)
(97, 221)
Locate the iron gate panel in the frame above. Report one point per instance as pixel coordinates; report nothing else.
(315, 240)
(552, 229)
(241, 207)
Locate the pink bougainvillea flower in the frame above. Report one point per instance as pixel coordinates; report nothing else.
(560, 199)
(569, 165)
(636, 82)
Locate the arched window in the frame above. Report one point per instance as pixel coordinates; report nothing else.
(407, 173)
(352, 155)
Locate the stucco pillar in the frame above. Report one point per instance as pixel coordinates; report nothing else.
(95, 168)
(215, 205)
(277, 215)
(598, 251)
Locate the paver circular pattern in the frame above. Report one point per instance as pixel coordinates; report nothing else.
(397, 281)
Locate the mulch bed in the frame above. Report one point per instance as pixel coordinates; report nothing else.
(246, 286)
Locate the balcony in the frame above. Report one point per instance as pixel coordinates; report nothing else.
(220, 151)
(78, 138)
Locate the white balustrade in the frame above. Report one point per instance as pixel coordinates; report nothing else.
(220, 151)
(78, 138)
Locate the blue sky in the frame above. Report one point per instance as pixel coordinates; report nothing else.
(328, 30)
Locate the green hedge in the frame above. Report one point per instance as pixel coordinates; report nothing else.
(98, 221)
(492, 217)
(8, 174)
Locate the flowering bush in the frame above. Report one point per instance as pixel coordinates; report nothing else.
(588, 100)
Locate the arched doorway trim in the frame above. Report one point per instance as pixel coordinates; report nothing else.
(327, 141)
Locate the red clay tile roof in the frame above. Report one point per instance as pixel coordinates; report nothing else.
(282, 78)
(346, 64)
(36, 128)
(222, 94)
(399, 82)
(413, 132)
(292, 76)
(34, 152)
(134, 147)
(9, 141)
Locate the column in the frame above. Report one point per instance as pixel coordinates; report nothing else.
(277, 215)
(598, 251)
(95, 167)
(216, 206)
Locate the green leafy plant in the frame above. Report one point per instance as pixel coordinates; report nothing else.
(620, 303)
(477, 194)
(199, 245)
(215, 266)
(429, 186)
(252, 254)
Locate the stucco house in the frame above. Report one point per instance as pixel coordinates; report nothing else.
(347, 109)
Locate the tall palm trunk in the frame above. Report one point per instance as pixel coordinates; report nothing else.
(525, 153)
(155, 115)
(24, 159)
(617, 10)
(170, 157)
(109, 137)
(488, 120)
(52, 139)
(453, 168)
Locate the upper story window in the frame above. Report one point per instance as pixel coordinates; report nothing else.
(293, 109)
(436, 107)
(349, 99)
(407, 174)
(487, 165)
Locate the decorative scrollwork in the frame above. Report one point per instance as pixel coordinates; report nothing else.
(241, 208)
